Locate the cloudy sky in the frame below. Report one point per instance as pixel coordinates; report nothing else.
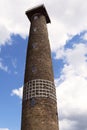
(68, 40)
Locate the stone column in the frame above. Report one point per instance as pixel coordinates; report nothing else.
(39, 107)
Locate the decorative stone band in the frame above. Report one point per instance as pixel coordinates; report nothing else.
(39, 88)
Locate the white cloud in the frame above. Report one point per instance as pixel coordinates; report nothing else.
(4, 129)
(18, 92)
(75, 59)
(72, 96)
(67, 124)
(3, 67)
(66, 16)
(4, 35)
(13, 19)
(85, 36)
(57, 34)
(72, 88)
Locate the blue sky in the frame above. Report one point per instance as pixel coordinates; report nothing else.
(68, 41)
(13, 57)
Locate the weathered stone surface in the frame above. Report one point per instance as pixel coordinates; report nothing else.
(39, 113)
(41, 116)
(39, 56)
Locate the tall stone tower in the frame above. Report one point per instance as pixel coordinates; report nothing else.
(39, 106)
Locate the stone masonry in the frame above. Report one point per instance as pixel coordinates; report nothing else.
(39, 106)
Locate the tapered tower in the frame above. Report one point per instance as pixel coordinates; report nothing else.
(39, 106)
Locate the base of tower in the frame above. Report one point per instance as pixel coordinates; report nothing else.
(42, 115)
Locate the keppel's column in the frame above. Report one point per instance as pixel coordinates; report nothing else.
(39, 106)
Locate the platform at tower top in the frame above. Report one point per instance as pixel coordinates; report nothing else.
(38, 10)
